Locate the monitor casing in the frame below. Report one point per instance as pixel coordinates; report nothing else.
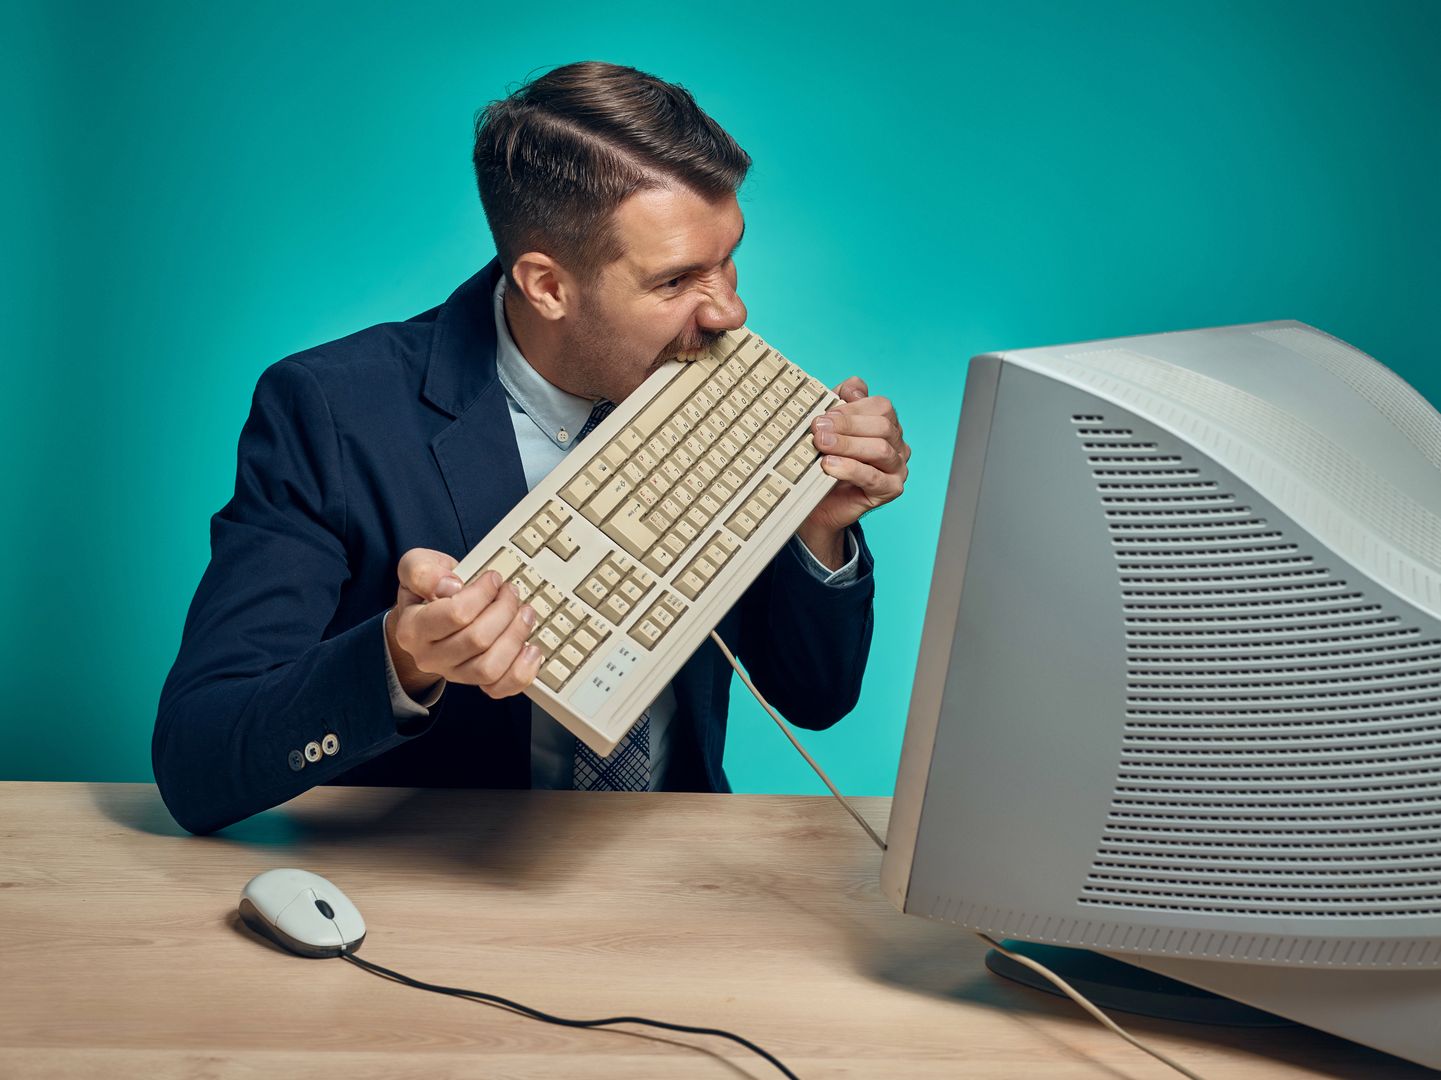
(1178, 697)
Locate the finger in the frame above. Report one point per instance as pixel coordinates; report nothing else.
(439, 619)
(521, 673)
(867, 425)
(871, 406)
(863, 424)
(875, 485)
(484, 631)
(881, 453)
(492, 666)
(421, 570)
(853, 389)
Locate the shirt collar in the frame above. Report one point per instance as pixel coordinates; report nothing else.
(560, 415)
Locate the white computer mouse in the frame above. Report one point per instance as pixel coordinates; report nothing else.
(302, 912)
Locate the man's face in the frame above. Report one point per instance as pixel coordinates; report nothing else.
(670, 294)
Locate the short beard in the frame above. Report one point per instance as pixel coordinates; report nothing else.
(603, 370)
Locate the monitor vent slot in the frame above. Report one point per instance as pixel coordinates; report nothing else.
(1282, 744)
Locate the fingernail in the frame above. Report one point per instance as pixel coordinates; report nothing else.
(527, 615)
(825, 433)
(514, 591)
(530, 654)
(449, 586)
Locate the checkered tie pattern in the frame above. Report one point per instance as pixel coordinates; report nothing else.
(627, 767)
(600, 412)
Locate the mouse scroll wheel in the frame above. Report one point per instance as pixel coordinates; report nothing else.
(325, 909)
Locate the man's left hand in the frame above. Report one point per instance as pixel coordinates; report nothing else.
(861, 444)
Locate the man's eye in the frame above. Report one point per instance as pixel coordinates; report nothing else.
(674, 283)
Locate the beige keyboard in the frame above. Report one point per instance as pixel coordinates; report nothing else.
(643, 537)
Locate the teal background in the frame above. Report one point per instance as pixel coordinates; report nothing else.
(194, 191)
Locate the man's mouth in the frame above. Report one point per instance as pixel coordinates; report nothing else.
(687, 355)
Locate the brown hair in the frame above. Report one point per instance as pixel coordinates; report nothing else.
(555, 158)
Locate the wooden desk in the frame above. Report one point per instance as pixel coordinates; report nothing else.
(121, 953)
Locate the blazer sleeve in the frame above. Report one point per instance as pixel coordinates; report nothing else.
(257, 678)
(805, 643)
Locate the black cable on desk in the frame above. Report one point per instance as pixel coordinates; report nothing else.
(538, 1015)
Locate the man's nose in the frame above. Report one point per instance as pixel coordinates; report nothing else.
(723, 310)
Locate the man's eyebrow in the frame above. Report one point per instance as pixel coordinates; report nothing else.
(681, 271)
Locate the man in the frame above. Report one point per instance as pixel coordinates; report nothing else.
(386, 454)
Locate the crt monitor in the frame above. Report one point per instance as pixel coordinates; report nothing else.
(1178, 698)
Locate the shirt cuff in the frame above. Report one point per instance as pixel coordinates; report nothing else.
(402, 705)
(844, 576)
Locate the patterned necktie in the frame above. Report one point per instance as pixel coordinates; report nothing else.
(627, 767)
(600, 412)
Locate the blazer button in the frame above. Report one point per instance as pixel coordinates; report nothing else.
(312, 752)
(297, 760)
(330, 744)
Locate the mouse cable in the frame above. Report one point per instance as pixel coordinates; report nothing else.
(536, 1014)
(1060, 983)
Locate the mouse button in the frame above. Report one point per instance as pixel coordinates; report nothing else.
(346, 912)
(303, 922)
(275, 890)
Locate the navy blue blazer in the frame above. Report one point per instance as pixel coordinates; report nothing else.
(354, 452)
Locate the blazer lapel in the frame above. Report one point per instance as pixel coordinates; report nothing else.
(480, 464)
(476, 455)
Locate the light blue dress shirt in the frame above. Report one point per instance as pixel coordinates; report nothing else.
(547, 420)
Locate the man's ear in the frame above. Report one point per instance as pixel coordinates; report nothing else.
(549, 288)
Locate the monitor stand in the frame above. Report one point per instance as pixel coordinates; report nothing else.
(1113, 985)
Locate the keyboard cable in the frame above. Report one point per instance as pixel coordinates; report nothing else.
(1041, 969)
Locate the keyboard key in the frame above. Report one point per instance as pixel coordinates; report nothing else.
(646, 632)
(529, 540)
(615, 608)
(505, 563)
(673, 396)
(690, 583)
(742, 523)
(563, 544)
(659, 559)
(606, 499)
(753, 349)
(554, 674)
(579, 490)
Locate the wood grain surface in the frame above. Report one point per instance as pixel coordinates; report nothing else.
(121, 953)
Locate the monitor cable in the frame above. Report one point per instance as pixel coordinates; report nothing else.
(1060, 983)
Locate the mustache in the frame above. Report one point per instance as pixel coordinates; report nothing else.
(679, 345)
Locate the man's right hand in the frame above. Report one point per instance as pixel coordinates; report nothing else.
(441, 628)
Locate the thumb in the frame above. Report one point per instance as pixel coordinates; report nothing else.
(427, 573)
